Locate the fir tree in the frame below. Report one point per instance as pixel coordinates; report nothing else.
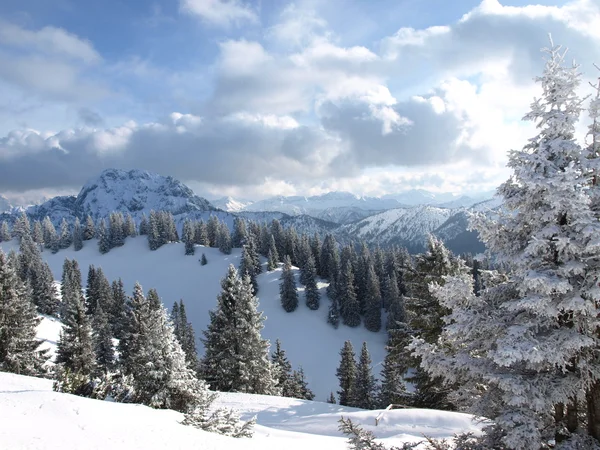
(239, 232)
(70, 287)
(116, 236)
(102, 341)
(395, 365)
(50, 235)
(203, 260)
(129, 227)
(188, 237)
(104, 242)
(364, 390)
(65, 236)
(311, 291)
(21, 227)
(346, 373)
(302, 389)
(118, 313)
(287, 287)
(346, 295)
(74, 349)
(212, 231)
(396, 308)
(248, 265)
(151, 354)
(201, 233)
(372, 301)
(77, 237)
(144, 226)
(331, 398)
(89, 232)
(184, 332)
(18, 321)
(283, 369)
(531, 333)
(333, 315)
(236, 357)
(43, 290)
(224, 239)
(37, 235)
(4, 232)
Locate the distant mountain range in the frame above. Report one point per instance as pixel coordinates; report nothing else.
(390, 220)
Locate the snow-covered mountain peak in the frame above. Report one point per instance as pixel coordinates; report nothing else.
(5, 205)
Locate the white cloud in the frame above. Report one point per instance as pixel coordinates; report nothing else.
(220, 12)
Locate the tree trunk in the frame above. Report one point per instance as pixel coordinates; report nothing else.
(572, 419)
(593, 410)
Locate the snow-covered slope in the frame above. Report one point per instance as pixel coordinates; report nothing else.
(34, 417)
(305, 335)
(408, 227)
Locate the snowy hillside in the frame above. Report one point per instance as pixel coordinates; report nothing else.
(305, 335)
(402, 226)
(32, 416)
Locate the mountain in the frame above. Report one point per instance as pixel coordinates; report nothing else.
(406, 227)
(134, 192)
(231, 204)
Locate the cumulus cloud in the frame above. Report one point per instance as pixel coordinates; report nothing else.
(220, 12)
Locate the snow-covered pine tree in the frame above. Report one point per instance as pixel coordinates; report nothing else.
(104, 242)
(43, 290)
(37, 234)
(278, 235)
(18, 321)
(4, 232)
(144, 226)
(89, 231)
(70, 287)
(77, 236)
(118, 313)
(200, 233)
(224, 239)
(248, 266)
(303, 391)
(184, 332)
(329, 258)
(288, 293)
(346, 295)
(394, 301)
(346, 373)
(283, 370)
(530, 341)
(331, 398)
(115, 229)
(212, 231)
(74, 349)
(372, 302)
(188, 237)
(65, 235)
(363, 264)
(236, 357)
(203, 260)
(365, 386)
(311, 291)
(395, 364)
(273, 256)
(151, 353)
(239, 232)
(102, 336)
(50, 235)
(129, 226)
(21, 227)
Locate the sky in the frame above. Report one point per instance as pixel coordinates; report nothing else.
(260, 98)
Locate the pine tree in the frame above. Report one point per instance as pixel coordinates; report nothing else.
(395, 366)
(331, 398)
(151, 354)
(77, 237)
(346, 373)
(364, 391)
(372, 301)
(188, 237)
(38, 233)
(346, 295)
(102, 341)
(118, 313)
(224, 239)
(333, 315)
(201, 233)
(74, 349)
(283, 369)
(239, 232)
(4, 232)
(104, 242)
(203, 260)
(65, 236)
(144, 226)
(129, 227)
(154, 239)
(303, 391)
(236, 357)
(18, 321)
(311, 291)
(248, 265)
(184, 332)
(70, 287)
(43, 290)
(287, 287)
(89, 231)
(116, 236)
(396, 307)
(50, 235)
(212, 231)
(21, 227)
(534, 333)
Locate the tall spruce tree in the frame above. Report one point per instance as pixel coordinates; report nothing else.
(346, 373)
(288, 293)
(102, 335)
(365, 386)
(89, 232)
(301, 385)
(184, 332)
(18, 321)
(50, 235)
(188, 237)
(37, 234)
(239, 232)
(4, 232)
(311, 291)
(236, 357)
(21, 227)
(118, 313)
(283, 370)
(77, 237)
(372, 301)
(104, 243)
(535, 333)
(346, 295)
(65, 238)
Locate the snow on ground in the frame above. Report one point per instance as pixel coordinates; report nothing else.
(48, 331)
(32, 416)
(306, 336)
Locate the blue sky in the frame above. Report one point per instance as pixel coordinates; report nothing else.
(257, 98)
